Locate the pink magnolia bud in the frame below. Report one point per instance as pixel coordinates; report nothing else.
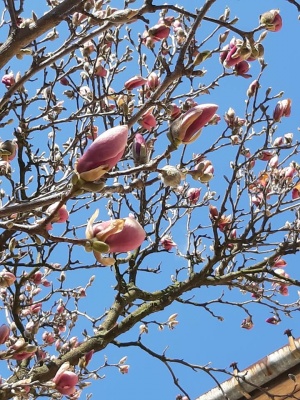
(174, 111)
(278, 142)
(124, 369)
(65, 380)
(6, 278)
(61, 214)
(273, 163)
(242, 68)
(99, 69)
(229, 56)
(4, 333)
(153, 81)
(64, 81)
(8, 80)
(193, 195)
(121, 235)
(247, 323)
(103, 154)
(282, 109)
(48, 337)
(187, 127)
(148, 120)
(252, 89)
(159, 32)
(284, 290)
(279, 263)
(271, 20)
(139, 150)
(273, 320)
(135, 82)
(167, 242)
(296, 191)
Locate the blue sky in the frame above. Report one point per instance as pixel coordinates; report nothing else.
(198, 338)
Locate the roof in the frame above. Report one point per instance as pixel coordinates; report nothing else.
(277, 374)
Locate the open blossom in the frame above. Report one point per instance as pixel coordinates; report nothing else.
(232, 53)
(114, 236)
(148, 121)
(103, 154)
(247, 323)
(282, 109)
(193, 195)
(167, 242)
(271, 20)
(187, 128)
(6, 278)
(203, 171)
(65, 380)
(8, 80)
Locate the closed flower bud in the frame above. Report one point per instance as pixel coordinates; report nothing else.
(4, 333)
(187, 127)
(65, 380)
(8, 80)
(103, 154)
(271, 20)
(170, 176)
(282, 109)
(6, 278)
(8, 150)
(135, 82)
(139, 150)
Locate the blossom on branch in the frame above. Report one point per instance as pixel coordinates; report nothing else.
(103, 154)
(187, 128)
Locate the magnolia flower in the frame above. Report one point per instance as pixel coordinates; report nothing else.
(193, 195)
(114, 236)
(99, 69)
(65, 380)
(61, 214)
(153, 81)
(135, 82)
(273, 320)
(296, 191)
(103, 154)
(6, 278)
(253, 87)
(124, 369)
(159, 32)
(187, 128)
(4, 333)
(247, 323)
(282, 109)
(8, 80)
(167, 242)
(139, 150)
(203, 171)
(271, 20)
(148, 121)
(241, 69)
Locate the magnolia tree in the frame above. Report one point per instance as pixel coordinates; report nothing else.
(108, 189)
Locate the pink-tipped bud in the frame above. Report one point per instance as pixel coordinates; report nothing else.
(139, 150)
(153, 81)
(6, 278)
(61, 214)
(282, 109)
(8, 80)
(253, 87)
(271, 20)
(103, 154)
(241, 69)
(99, 69)
(273, 320)
(121, 235)
(167, 242)
(159, 32)
(148, 120)
(187, 127)
(4, 333)
(135, 82)
(193, 195)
